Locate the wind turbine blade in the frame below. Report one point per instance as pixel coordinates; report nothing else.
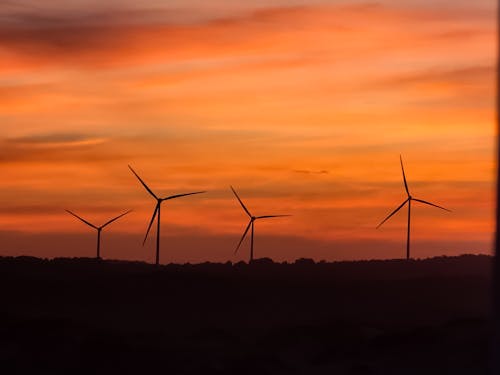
(143, 183)
(404, 176)
(182, 195)
(430, 204)
(151, 223)
(116, 218)
(243, 237)
(393, 212)
(268, 216)
(242, 205)
(82, 219)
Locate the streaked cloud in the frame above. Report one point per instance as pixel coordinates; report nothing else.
(56, 140)
(62, 147)
(306, 171)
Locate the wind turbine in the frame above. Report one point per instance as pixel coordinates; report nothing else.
(99, 229)
(157, 212)
(408, 200)
(251, 224)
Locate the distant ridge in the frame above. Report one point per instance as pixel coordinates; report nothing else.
(261, 261)
(300, 269)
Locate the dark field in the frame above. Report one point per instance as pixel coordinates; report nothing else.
(83, 316)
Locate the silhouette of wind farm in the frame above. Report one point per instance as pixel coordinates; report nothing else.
(408, 201)
(157, 212)
(300, 108)
(82, 316)
(99, 229)
(251, 224)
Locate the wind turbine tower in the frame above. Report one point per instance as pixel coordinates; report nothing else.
(251, 224)
(157, 212)
(408, 201)
(99, 229)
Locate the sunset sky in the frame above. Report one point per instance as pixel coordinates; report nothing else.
(303, 106)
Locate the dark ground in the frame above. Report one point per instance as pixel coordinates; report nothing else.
(82, 316)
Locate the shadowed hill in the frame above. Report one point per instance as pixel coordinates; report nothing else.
(369, 317)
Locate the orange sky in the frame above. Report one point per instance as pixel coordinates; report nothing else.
(303, 106)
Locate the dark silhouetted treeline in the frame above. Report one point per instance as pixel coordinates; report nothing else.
(85, 316)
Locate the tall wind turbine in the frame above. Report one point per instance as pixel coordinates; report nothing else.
(251, 224)
(157, 212)
(408, 200)
(99, 229)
